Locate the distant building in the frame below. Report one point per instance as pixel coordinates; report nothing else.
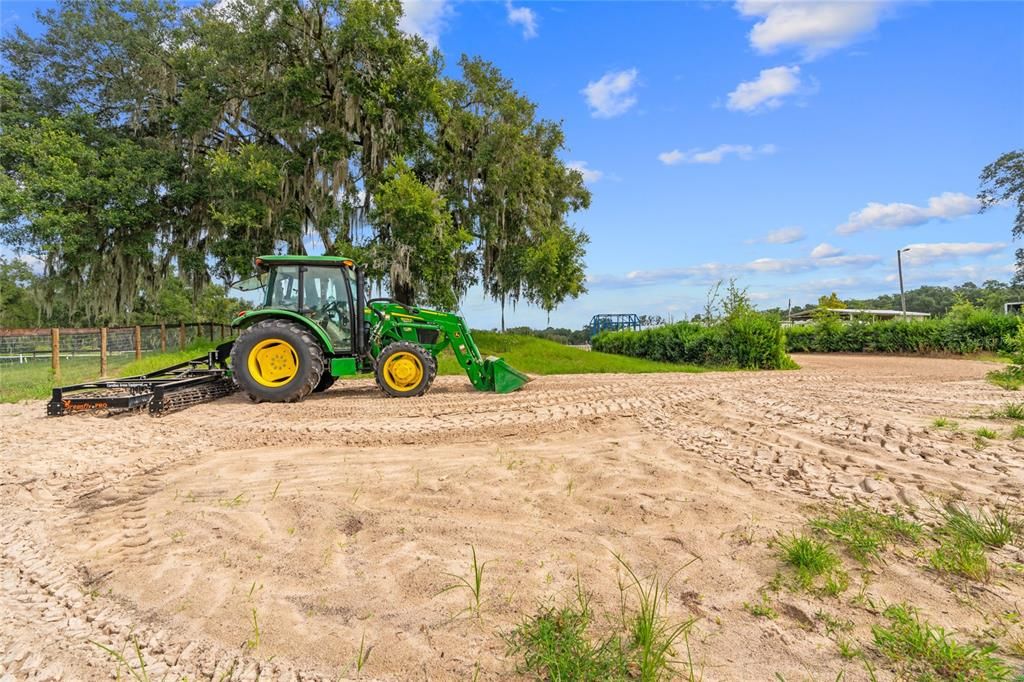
(1013, 307)
(850, 314)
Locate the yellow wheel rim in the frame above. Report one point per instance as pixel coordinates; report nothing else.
(273, 363)
(403, 371)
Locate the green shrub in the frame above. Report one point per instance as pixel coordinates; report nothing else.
(756, 341)
(1011, 378)
(966, 332)
(745, 339)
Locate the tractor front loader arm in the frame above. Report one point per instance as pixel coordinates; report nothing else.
(486, 374)
(436, 330)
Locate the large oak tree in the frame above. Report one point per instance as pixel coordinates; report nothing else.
(141, 138)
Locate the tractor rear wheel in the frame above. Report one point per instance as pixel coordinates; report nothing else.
(277, 361)
(405, 370)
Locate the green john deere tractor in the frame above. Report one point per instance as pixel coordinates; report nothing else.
(316, 325)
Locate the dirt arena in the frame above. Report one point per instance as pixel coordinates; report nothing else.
(315, 541)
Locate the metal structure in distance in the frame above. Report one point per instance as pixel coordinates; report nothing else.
(613, 322)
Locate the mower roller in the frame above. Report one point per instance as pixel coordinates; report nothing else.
(300, 341)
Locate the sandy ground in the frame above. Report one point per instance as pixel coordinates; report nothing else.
(339, 522)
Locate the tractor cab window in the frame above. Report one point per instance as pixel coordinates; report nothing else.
(284, 289)
(325, 299)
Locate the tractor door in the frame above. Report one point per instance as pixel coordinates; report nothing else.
(284, 288)
(327, 301)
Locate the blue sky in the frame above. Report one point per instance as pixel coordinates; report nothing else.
(794, 146)
(861, 129)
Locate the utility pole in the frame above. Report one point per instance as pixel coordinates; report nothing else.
(899, 266)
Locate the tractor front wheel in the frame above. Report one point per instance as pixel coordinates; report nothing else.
(405, 370)
(277, 361)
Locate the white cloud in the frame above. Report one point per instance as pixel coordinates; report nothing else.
(960, 274)
(813, 27)
(710, 272)
(611, 95)
(767, 91)
(824, 250)
(785, 235)
(891, 216)
(589, 174)
(716, 155)
(425, 18)
(671, 158)
(525, 17)
(924, 254)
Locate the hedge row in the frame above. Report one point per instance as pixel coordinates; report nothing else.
(748, 341)
(981, 330)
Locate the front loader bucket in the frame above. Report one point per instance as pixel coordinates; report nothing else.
(502, 377)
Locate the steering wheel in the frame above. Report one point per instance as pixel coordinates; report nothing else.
(334, 306)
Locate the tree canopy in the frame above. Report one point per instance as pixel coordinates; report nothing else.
(1003, 181)
(831, 301)
(141, 138)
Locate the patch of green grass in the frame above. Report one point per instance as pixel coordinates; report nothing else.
(981, 527)
(848, 650)
(762, 609)
(363, 655)
(923, 651)
(833, 624)
(1018, 432)
(137, 671)
(865, 533)
(1010, 411)
(253, 641)
(839, 631)
(35, 379)
(557, 644)
(986, 433)
(560, 643)
(540, 356)
(652, 637)
(473, 584)
(811, 559)
(1011, 378)
(235, 502)
(960, 556)
(943, 423)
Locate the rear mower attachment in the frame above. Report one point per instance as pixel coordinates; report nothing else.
(171, 388)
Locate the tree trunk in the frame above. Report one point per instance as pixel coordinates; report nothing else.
(503, 313)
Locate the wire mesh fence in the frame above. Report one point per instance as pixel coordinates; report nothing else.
(34, 360)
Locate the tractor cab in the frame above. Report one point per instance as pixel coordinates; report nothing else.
(323, 289)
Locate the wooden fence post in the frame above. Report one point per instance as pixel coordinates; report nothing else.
(163, 337)
(222, 331)
(211, 330)
(181, 336)
(138, 342)
(103, 351)
(55, 353)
